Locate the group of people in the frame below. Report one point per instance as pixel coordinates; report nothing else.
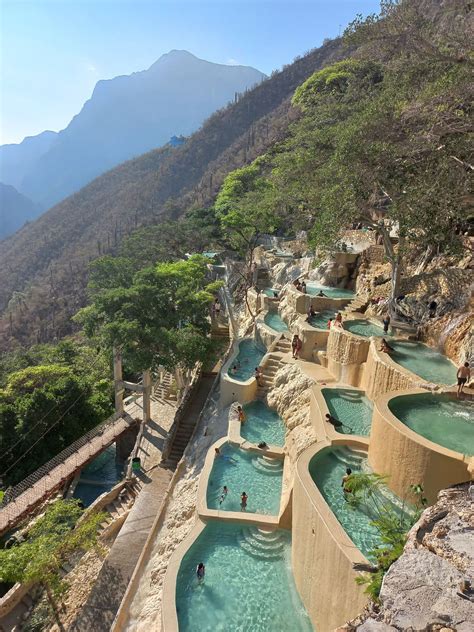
(300, 285)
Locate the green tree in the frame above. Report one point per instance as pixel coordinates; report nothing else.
(368, 491)
(246, 211)
(50, 402)
(158, 317)
(49, 542)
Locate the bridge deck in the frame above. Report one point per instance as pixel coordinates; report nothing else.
(15, 510)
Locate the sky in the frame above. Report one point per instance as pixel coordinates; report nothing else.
(52, 52)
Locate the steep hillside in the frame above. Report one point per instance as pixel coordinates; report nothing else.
(51, 255)
(15, 210)
(131, 114)
(16, 158)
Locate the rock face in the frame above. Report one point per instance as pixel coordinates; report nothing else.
(421, 591)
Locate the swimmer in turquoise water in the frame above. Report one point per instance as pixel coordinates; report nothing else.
(200, 571)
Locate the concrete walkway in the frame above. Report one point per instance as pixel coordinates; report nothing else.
(104, 600)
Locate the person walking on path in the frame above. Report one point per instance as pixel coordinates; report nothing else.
(296, 345)
(463, 375)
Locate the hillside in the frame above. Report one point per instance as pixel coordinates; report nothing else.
(131, 114)
(51, 255)
(17, 158)
(15, 210)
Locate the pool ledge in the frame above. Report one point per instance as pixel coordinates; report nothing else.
(321, 548)
(205, 513)
(408, 458)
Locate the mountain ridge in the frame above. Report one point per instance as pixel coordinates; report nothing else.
(130, 114)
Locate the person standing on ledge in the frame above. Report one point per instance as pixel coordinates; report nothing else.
(241, 414)
(463, 375)
(386, 323)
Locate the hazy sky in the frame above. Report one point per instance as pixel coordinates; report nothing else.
(54, 51)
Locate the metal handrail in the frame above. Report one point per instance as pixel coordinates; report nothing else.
(18, 489)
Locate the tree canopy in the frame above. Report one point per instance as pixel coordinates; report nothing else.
(156, 316)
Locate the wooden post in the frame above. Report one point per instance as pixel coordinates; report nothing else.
(118, 383)
(146, 396)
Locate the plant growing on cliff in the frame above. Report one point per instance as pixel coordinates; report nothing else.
(48, 543)
(368, 492)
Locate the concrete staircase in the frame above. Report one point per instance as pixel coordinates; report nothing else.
(164, 389)
(120, 505)
(358, 304)
(272, 364)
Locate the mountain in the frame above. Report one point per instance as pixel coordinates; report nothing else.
(131, 114)
(48, 259)
(17, 159)
(15, 210)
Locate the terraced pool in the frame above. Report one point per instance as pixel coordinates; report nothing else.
(249, 356)
(424, 361)
(442, 419)
(248, 585)
(262, 424)
(352, 408)
(241, 471)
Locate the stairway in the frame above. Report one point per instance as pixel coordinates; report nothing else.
(262, 544)
(267, 465)
(272, 364)
(349, 457)
(164, 389)
(187, 423)
(119, 505)
(358, 304)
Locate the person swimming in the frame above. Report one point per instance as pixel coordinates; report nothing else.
(200, 571)
(243, 501)
(321, 293)
(218, 454)
(223, 496)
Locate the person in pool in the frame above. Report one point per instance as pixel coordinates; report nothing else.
(386, 348)
(463, 375)
(223, 496)
(328, 326)
(311, 314)
(218, 455)
(200, 571)
(321, 293)
(243, 501)
(333, 420)
(345, 480)
(241, 415)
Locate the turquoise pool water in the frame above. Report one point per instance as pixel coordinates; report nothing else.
(99, 476)
(331, 292)
(259, 477)
(249, 356)
(248, 586)
(262, 424)
(268, 291)
(274, 320)
(364, 328)
(327, 469)
(429, 364)
(320, 321)
(439, 418)
(352, 408)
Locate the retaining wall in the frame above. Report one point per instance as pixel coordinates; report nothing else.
(323, 555)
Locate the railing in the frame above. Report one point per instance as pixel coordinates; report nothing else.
(44, 471)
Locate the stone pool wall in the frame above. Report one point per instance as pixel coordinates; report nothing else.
(410, 459)
(322, 553)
